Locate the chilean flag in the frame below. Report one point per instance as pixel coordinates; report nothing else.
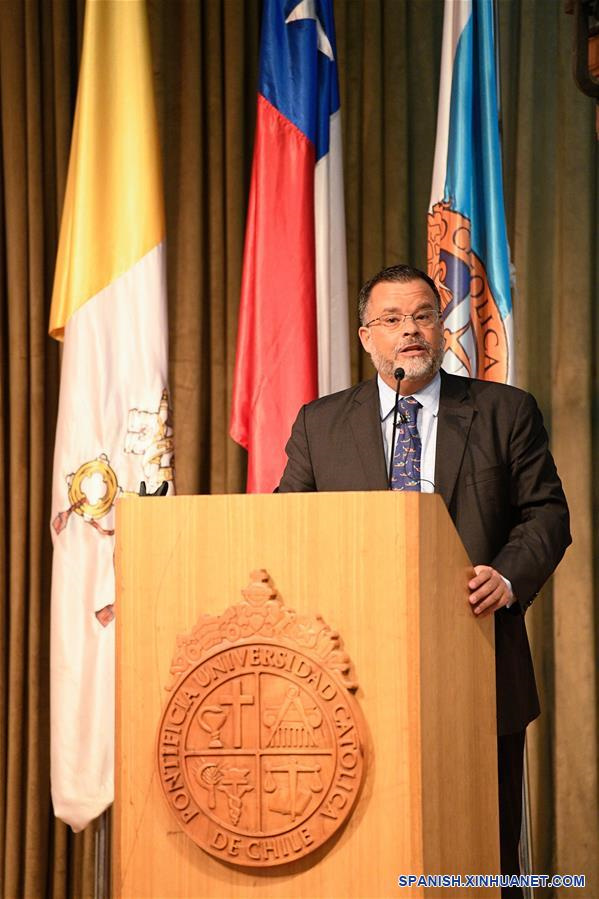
(293, 341)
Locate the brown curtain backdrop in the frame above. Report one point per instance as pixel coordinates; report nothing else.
(205, 60)
(552, 198)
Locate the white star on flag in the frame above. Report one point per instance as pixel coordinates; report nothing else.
(306, 9)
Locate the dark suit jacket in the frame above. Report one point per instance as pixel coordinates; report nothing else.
(497, 478)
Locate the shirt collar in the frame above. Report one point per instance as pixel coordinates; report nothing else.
(428, 397)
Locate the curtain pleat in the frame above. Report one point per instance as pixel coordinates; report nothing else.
(205, 65)
(551, 165)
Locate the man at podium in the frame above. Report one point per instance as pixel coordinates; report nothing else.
(484, 448)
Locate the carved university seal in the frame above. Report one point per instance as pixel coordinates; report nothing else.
(259, 749)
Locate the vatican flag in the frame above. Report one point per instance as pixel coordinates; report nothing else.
(113, 430)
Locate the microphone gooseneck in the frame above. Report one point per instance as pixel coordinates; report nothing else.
(399, 374)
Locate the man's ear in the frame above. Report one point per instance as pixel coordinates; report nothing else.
(364, 335)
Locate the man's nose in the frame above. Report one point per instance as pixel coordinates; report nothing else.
(409, 327)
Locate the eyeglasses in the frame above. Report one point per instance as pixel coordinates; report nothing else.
(393, 320)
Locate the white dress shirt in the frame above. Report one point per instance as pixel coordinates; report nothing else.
(426, 422)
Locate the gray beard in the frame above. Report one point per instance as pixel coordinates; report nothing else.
(415, 369)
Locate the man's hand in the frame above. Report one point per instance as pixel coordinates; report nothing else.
(489, 591)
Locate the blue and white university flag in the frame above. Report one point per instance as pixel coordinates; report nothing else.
(468, 253)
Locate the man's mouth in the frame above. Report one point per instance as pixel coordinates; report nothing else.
(413, 349)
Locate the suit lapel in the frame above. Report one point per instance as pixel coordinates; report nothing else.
(365, 422)
(456, 412)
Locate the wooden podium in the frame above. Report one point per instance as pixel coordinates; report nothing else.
(389, 573)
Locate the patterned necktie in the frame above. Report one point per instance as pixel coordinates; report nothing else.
(408, 448)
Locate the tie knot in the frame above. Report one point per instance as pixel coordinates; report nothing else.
(409, 407)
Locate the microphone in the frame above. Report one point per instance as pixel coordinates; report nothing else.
(399, 374)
